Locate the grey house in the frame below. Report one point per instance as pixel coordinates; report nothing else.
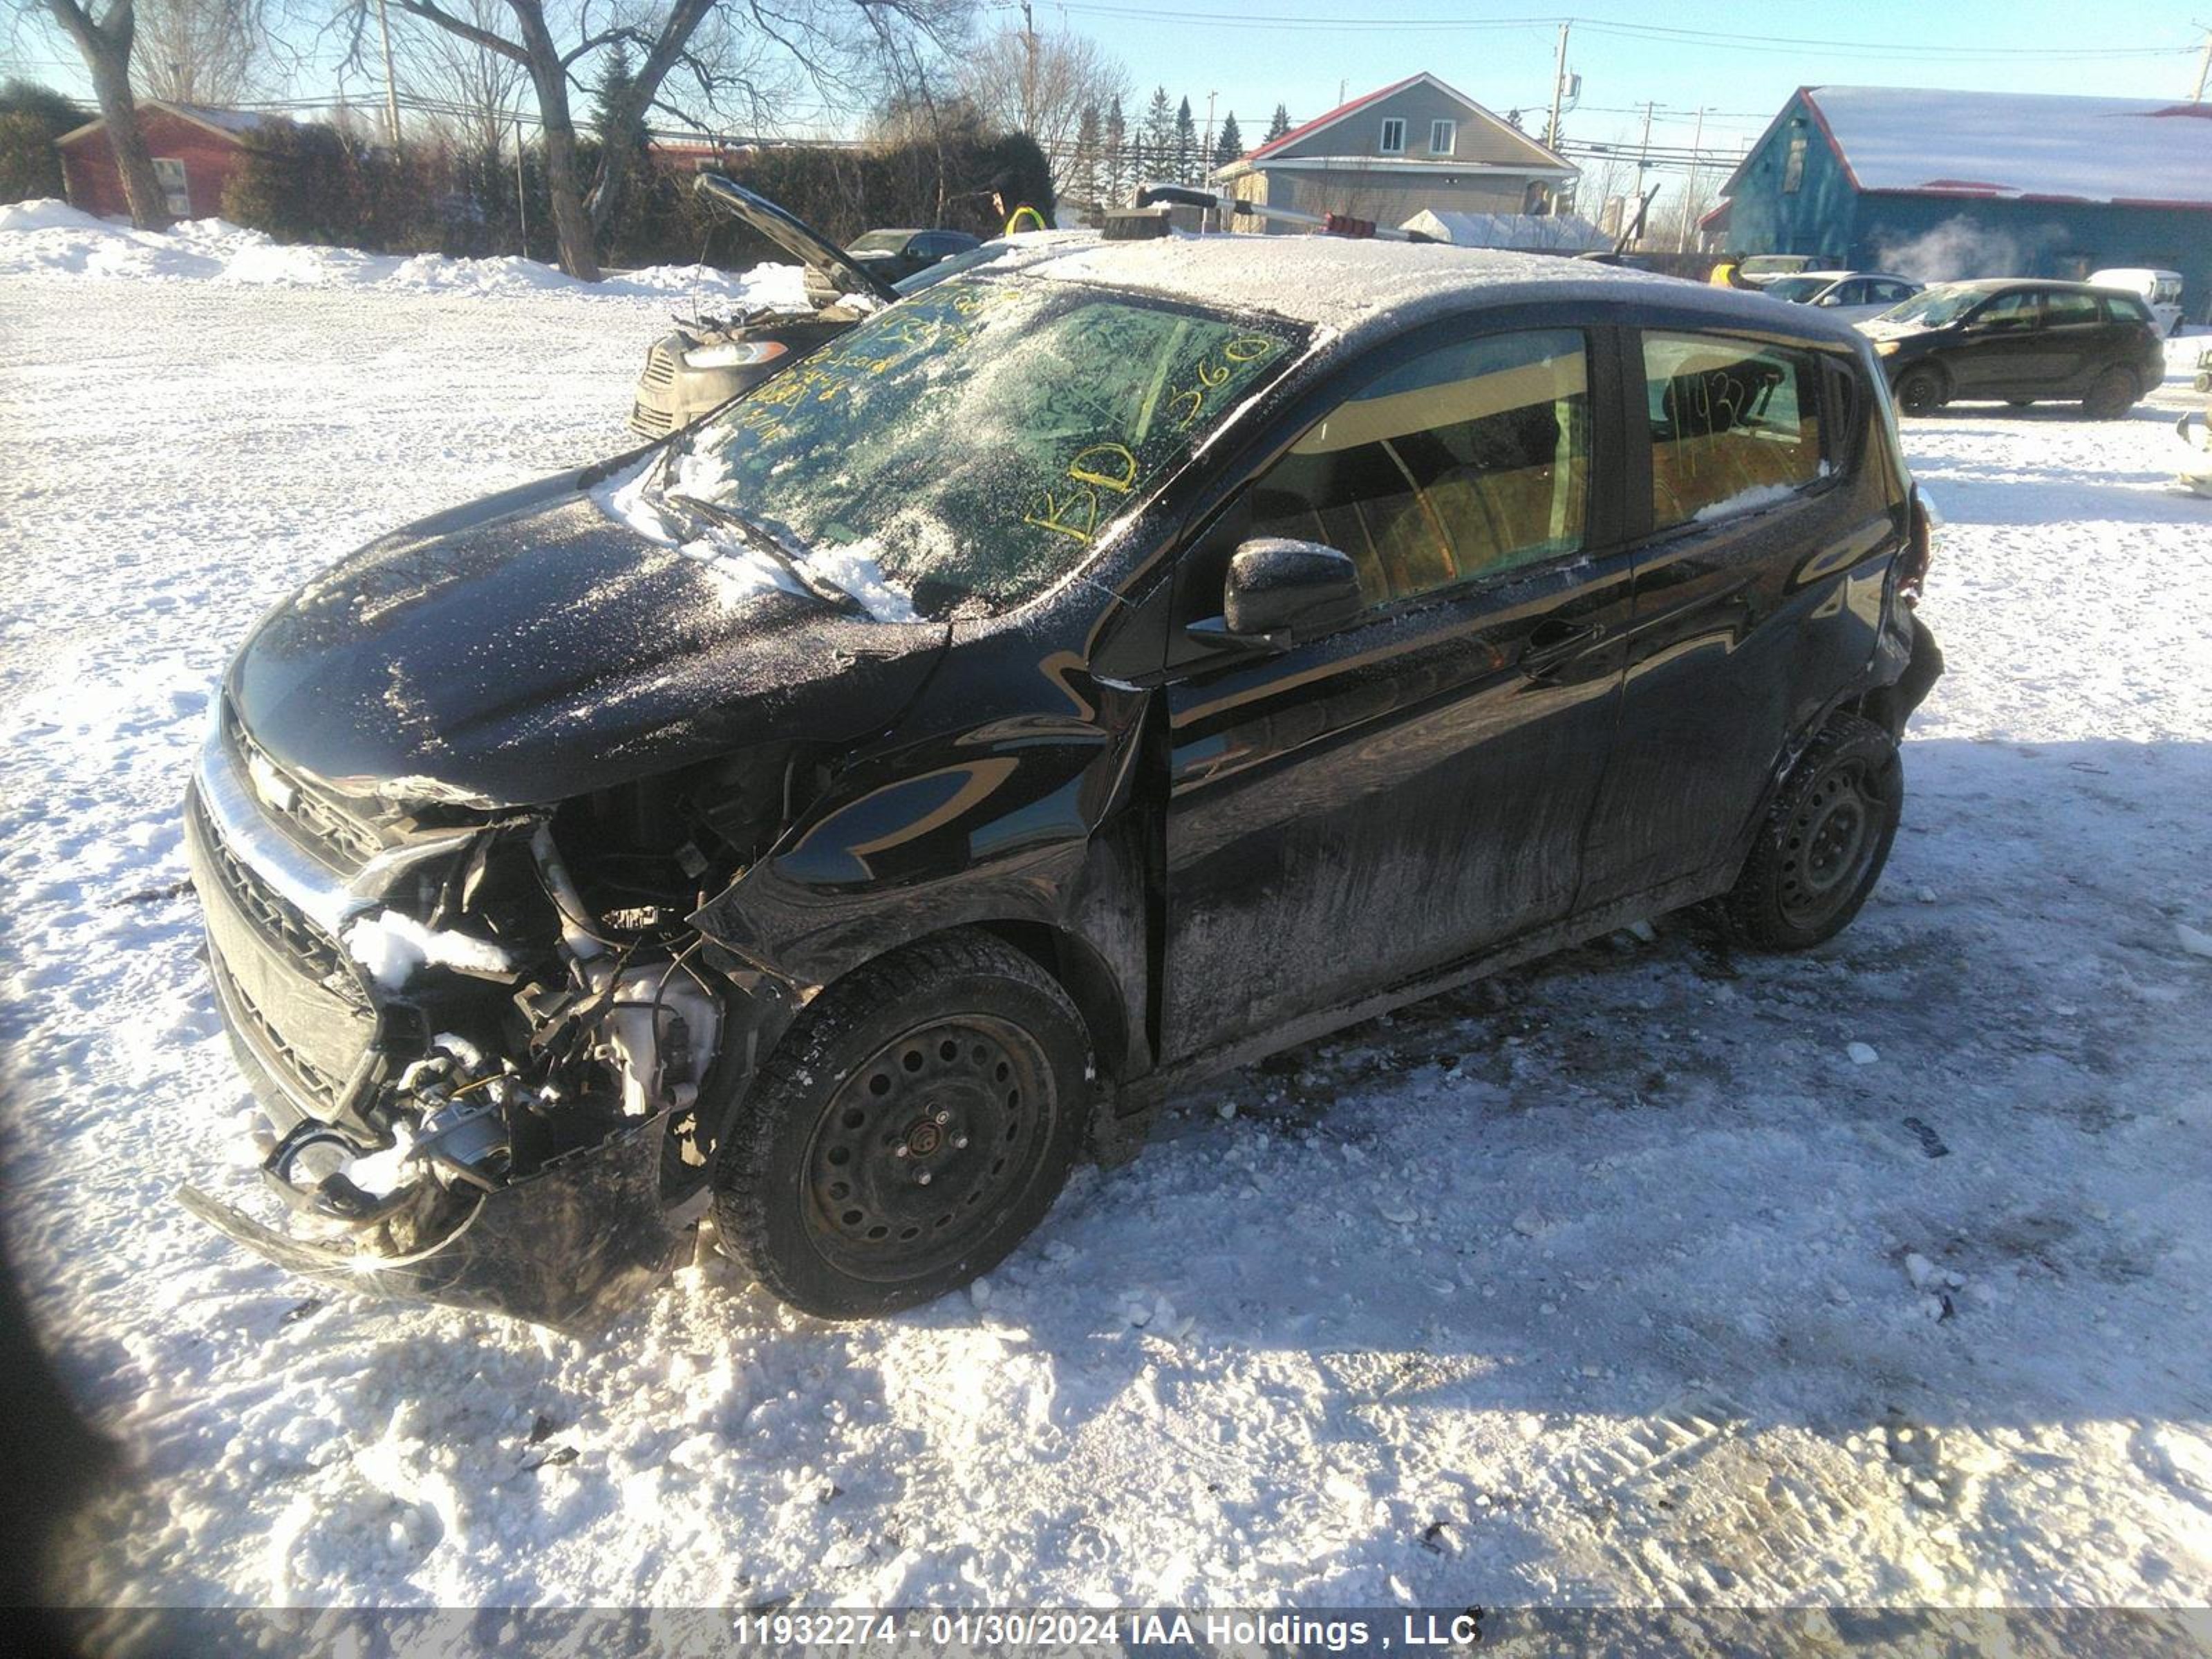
(1386, 156)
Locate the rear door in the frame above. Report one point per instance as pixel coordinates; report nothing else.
(1360, 810)
(2075, 344)
(1745, 616)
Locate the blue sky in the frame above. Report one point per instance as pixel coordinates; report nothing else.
(1301, 53)
(2024, 45)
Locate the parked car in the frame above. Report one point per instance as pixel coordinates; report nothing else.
(2019, 342)
(1849, 296)
(700, 364)
(2159, 289)
(1761, 269)
(889, 256)
(1066, 683)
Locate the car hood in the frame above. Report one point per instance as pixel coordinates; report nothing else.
(846, 273)
(535, 646)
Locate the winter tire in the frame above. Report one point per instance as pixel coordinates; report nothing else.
(2112, 394)
(1921, 389)
(1826, 838)
(913, 1128)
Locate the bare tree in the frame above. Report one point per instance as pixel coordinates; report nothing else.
(105, 42)
(720, 48)
(198, 51)
(462, 90)
(1043, 97)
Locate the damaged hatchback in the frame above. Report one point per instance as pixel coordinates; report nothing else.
(1066, 683)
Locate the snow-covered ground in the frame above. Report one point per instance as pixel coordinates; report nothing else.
(1653, 1273)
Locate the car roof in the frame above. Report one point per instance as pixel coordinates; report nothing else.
(1348, 286)
(2003, 284)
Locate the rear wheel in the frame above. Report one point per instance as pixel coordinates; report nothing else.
(1826, 836)
(910, 1131)
(1921, 389)
(2112, 394)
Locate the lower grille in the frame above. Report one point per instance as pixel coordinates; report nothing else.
(653, 422)
(292, 998)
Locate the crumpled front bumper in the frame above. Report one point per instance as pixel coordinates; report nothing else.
(570, 1247)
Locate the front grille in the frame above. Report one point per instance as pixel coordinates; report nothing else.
(651, 422)
(315, 953)
(659, 367)
(326, 829)
(318, 1086)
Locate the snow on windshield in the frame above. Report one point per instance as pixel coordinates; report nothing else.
(969, 448)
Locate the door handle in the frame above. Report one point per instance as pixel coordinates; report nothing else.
(1552, 642)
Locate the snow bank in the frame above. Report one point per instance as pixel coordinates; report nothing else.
(50, 238)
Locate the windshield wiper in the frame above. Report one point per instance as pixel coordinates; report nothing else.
(762, 540)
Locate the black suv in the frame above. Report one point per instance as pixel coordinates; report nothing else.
(2020, 343)
(1064, 685)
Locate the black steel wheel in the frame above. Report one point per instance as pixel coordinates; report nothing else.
(2111, 395)
(1922, 389)
(909, 1132)
(1826, 836)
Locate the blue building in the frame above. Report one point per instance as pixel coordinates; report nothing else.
(1938, 185)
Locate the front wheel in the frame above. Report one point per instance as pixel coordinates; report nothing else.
(1921, 389)
(912, 1129)
(1826, 836)
(2112, 394)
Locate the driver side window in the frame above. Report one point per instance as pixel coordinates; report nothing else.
(1471, 460)
(2010, 313)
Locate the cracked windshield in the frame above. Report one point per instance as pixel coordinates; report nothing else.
(969, 447)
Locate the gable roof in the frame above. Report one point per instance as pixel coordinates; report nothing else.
(1346, 111)
(231, 124)
(2012, 145)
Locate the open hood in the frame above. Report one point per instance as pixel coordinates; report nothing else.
(795, 237)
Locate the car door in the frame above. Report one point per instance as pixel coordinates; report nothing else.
(2075, 344)
(1726, 656)
(1999, 355)
(1351, 813)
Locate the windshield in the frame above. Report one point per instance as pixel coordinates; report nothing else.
(881, 242)
(1796, 289)
(1932, 307)
(967, 447)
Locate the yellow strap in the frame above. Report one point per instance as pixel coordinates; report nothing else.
(1014, 221)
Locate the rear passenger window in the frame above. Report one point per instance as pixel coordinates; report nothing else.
(1469, 461)
(1735, 425)
(2074, 310)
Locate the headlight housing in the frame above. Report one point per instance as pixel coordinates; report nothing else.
(1888, 348)
(733, 354)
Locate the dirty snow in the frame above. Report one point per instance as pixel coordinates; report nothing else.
(1615, 1280)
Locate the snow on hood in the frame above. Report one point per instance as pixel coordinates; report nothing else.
(50, 238)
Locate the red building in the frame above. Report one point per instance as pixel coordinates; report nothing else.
(195, 150)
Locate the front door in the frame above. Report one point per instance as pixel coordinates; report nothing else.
(2005, 357)
(1360, 810)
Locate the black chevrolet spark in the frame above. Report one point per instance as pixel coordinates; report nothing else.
(1061, 686)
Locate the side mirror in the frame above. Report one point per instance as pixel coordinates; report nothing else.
(1829, 300)
(1281, 593)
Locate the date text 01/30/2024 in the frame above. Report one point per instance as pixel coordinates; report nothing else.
(1460, 1629)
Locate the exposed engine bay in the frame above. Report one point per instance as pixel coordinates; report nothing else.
(535, 1000)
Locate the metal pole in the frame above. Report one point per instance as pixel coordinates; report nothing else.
(1559, 88)
(1028, 71)
(2204, 70)
(521, 199)
(1690, 191)
(391, 89)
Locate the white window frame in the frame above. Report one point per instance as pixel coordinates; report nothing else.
(1448, 130)
(1382, 145)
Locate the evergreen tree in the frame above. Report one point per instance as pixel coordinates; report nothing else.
(1280, 125)
(615, 78)
(1086, 172)
(1113, 142)
(1228, 146)
(1156, 140)
(1186, 145)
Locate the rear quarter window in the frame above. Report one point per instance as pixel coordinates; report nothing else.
(2125, 309)
(1735, 425)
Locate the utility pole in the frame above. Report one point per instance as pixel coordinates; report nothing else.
(391, 89)
(2203, 68)
(1559, 88)
(1028, 71)
(1690, 209)
(521, 199)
